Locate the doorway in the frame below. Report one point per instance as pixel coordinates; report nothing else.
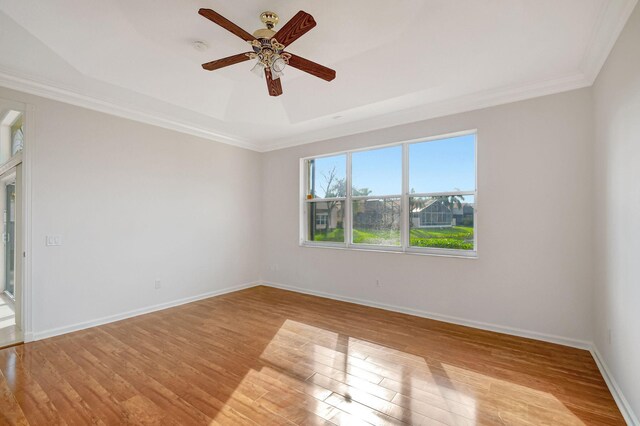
(12, 228)
(9, 237)
(10, 298)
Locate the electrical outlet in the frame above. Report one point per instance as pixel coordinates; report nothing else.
(158, 284)
(378, 283)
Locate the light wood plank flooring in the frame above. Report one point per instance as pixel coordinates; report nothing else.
(269, 357)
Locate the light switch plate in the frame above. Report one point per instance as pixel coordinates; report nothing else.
(53, 240)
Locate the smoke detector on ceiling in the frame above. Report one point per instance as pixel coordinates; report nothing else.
(200, 45)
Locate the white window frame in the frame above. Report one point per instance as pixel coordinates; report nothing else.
(405, 214)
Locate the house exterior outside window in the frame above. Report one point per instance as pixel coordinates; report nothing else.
(321, 219)
(433, 213)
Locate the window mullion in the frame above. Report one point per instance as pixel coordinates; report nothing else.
(443, 194)
(405, 219)
(375, 197)
(348, 228)
(304, 210)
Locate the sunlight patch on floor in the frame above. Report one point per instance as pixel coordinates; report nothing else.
(7, 320)
(343, 379)
(7, 314)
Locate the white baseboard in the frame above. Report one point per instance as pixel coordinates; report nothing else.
(580, 344)
(618, 396)
(39, 335)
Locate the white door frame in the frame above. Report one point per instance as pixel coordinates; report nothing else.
(24, 158)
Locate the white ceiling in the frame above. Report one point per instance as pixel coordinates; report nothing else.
(396, 61)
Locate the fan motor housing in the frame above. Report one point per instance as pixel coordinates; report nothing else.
(264, 33)
(265, 44)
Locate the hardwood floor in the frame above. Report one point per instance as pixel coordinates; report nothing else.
(270, 357)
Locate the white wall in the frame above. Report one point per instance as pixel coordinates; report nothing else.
(617, 188)
(133, 203)
(534, 225)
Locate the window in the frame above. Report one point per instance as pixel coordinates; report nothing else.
(326, 191)
(376, 202)
(413, 196)
(321, 219)
(11, 134)
(442, 185)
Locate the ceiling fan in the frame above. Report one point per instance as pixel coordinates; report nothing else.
(268, 48)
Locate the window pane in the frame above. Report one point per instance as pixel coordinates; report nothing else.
(443, 165)
(377, 221)
(327, 177)
(442, 222)
(11, 134)
(326, 220)
(377, 172)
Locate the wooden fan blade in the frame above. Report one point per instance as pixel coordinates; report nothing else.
(274, 85)
(295, 28)
(226, 24)
(225, 62)
(311, 67)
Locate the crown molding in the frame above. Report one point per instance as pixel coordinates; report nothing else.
(479, 100)
(10, 80)
(484, 99)
(475, 101)
(604, 36)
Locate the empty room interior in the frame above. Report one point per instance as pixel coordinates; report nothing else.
(414, 212)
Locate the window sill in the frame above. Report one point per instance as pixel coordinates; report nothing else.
(399, 250)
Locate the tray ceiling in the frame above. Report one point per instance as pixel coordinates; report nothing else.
(396, 62)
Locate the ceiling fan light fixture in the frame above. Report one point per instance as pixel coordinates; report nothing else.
(277, 67)
(268, 48)
(258, 69)
(278, 64)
